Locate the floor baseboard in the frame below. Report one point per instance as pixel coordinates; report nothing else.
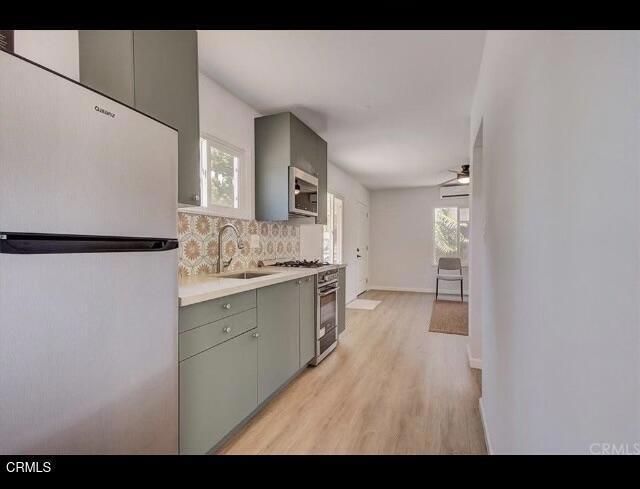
(473, 362)
(487, 439)
(414, 289)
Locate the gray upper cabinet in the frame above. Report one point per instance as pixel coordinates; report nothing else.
(283, 140)
(321, 173)
(304, 146)
(272, 157)
(217, 391)
(279, 341)
(166, 87)
(106, 63)
(307, 320)
(157, 73)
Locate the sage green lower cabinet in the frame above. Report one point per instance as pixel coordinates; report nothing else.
(222, 381)
(279, 341)
(217, 391)
(307, 320)
(342, 299)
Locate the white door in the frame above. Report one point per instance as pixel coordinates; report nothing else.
(362, 249)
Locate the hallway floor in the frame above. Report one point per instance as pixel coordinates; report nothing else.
(391, 387)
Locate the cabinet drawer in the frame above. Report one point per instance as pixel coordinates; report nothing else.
(199, 339)
(206, 312)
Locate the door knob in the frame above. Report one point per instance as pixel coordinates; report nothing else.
(227, 306)
(256, 335)
(226, 330)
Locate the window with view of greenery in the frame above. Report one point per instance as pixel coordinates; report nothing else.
(220, 166)
(451, 233)
(332, 231)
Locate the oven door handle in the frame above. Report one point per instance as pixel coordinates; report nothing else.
(335, 289)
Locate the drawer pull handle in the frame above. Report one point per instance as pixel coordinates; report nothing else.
(227, 306)
(226, 330)
(256, 335)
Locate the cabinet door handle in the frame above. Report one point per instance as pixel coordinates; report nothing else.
(226, 330)
(256, 335)
(227, 306)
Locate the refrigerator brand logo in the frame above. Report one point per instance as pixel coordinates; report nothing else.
(105, 112)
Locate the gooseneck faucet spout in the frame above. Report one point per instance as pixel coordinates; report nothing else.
(221, 264)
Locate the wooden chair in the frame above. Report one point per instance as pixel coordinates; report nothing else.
(449, 264)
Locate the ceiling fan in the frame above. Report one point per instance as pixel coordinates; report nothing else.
(463, 176)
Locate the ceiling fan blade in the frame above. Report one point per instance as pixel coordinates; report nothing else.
(449, 181)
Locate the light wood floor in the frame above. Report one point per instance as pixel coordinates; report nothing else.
(391, 387)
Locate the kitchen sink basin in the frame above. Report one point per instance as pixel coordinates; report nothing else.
(247, 275)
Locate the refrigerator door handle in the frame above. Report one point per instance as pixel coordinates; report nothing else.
(40, 243)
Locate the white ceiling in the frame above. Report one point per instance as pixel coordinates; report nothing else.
(393, 106)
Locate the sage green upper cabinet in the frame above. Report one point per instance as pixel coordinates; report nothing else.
(106, 63)
(166, 87)
(155, 72)
(307, 320)
(283, 140)
(321, 173)
(272, 157)
(279, 341)
(304, 146)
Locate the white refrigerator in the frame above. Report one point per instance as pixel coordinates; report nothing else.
(88, 270)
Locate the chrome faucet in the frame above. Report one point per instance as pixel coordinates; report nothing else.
(238, 241)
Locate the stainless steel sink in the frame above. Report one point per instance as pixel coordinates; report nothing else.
(246, 275)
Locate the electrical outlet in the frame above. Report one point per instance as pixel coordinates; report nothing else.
(255, 241)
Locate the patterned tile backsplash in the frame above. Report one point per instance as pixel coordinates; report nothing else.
(198, 237)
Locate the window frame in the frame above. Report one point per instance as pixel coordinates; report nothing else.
(465, 260)
(338, 235)
(243, 192)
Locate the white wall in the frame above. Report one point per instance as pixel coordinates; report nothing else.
(402, 240)
(561, 337)
(477, 254)
(57, 50)
(341, 183)
(311, 242)
(226, 117)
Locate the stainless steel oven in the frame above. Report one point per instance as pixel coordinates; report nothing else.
(303, 192)
(327, 315)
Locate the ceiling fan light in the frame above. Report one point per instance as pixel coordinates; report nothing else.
(297, 189)
(464, 179)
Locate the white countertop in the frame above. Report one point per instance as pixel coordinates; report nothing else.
(199, 288)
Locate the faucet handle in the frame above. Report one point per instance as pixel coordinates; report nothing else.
(225, 264)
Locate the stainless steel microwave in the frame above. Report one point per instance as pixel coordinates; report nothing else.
(303, 193)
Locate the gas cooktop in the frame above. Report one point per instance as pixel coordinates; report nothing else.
(302, 264)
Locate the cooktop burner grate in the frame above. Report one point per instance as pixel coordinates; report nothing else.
(302, 264)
